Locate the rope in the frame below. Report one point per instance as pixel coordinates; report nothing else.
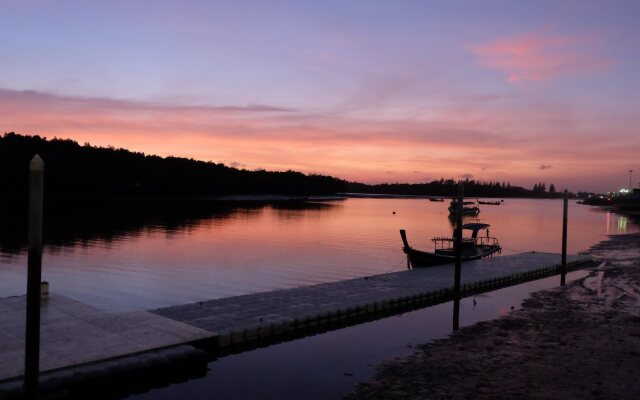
(386, 272)
(518, 251)
(404, 259)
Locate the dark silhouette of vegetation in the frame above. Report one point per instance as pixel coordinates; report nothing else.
(72, 169)
(449, 187)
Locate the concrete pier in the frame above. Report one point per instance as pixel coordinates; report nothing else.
(74, 333)
(260, 316)
(80, 338)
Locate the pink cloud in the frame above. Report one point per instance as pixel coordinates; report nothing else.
(477, 139)
(541, 57)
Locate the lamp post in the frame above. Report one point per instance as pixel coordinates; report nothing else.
(630, 174)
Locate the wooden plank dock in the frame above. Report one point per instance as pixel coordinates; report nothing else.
(76, 337)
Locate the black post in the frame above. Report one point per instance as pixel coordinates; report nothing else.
(457, 246)
(32, 342)
(563, 265)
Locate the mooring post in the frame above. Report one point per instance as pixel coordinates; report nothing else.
(34, 274)
(457, 247)
(563, 265)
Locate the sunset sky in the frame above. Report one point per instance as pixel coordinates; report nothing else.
(373, 91)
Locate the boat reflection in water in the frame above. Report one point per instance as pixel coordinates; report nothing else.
(472, 247)
(468, 208)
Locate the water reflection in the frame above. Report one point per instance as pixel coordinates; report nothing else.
(102, 223)
(617, 224)
(327, 366)
(622, 224)
(143, 255)
(465, 219)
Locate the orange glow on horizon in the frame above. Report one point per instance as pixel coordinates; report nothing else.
(452, 143)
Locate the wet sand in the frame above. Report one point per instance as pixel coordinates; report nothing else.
(581, 341)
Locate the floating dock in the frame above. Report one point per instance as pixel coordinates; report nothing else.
(82, 346)
(259, 316)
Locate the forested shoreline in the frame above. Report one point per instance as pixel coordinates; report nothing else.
(73, 169)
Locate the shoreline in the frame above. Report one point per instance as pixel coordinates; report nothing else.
(577, 341)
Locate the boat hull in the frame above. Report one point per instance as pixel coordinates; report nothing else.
(421, 259)
(465, 210)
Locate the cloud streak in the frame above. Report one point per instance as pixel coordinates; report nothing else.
(33, 97)
(468, 139)
(542, 57)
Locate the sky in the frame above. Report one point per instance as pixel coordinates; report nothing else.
(369, 91)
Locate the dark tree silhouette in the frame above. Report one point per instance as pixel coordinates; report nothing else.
(72, 169)
(448, 187)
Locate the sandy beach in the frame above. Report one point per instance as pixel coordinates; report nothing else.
(581, 341)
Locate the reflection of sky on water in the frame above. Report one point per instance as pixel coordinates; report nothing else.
(327, 366)
(150, 256)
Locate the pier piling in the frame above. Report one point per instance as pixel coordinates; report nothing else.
(34, 275)
(458, 262)
(563, 263)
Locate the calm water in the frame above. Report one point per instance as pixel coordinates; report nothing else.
(327, 366)
(144, 257)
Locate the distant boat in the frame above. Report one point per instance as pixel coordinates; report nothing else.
(601, 200)
(492, 203)
(466, 209)
(473, 247)
(440, 199)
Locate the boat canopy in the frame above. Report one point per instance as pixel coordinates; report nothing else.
(476, 226)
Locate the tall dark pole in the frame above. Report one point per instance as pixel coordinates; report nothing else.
(457, 247)
(563, 266)
(32, 342)
(630, 175)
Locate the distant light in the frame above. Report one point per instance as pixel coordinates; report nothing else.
(625, 190)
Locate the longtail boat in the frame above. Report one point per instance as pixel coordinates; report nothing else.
(472, 247)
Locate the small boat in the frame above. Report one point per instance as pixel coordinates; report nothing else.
(468, 208)
(440, 199)
(473, 247)
(298, 198)
(492, 203)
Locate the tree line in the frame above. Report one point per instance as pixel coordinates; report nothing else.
(74, 169)
(449, 187)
